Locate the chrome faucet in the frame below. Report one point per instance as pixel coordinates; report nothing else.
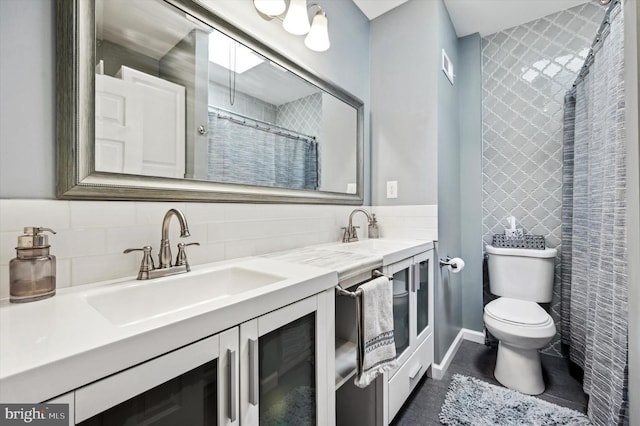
(165, 249)
(148, 269)
(350, 234)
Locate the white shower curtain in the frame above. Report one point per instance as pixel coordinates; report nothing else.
(594, 261)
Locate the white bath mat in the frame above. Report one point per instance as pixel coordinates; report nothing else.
(472, 402)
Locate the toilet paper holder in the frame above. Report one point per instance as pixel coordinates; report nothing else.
(452, 263)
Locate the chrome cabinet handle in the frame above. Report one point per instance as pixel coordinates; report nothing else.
(233, 386)
(253, 371)
(414, 372)
(414, 278)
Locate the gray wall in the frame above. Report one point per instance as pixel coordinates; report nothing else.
(469, 75)
(338, 158)
(418, 119)
(27, 102)
(404, 67)
(27, 81)
(448, 290)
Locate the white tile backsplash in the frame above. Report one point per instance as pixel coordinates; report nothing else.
(412, 222)
(63, 273)
(148, 213)
(79, 242)
(89, 269)
(121, 238)
(4, 288)
(102, 214)
(16, 214)
(204, 212)
(93, 234)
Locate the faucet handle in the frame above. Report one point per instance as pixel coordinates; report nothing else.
(147, 262)
(181, 258)
(350, 234)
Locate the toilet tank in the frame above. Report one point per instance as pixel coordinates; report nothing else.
(522, 273)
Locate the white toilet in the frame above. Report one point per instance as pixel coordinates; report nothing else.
(523, 278)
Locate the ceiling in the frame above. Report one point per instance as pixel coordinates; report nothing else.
(482, 16)
(154, 28)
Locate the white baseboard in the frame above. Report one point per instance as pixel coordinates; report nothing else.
(438, 370)
(473, 336)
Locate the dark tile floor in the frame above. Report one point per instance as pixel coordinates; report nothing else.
(475, 360)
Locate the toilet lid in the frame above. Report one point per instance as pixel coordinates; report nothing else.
(521, 312)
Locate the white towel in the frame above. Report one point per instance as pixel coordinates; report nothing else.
(376, 347)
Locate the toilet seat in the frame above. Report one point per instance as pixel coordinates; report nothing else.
(521, 313)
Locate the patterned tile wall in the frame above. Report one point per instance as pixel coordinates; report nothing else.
(526, 72)
(303, 115)
(243, 104)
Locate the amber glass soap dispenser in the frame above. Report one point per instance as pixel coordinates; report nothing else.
(32, 274)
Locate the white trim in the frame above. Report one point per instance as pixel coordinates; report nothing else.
(438, 370)
(447, 66)
(473, 336)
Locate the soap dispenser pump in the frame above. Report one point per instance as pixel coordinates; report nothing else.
(32, 274)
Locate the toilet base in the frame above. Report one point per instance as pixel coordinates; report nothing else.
(519, 369)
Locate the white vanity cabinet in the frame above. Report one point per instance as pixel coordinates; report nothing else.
(69, 400)
(413, 327)
(284, 374)
(196, 384)
(269, 370)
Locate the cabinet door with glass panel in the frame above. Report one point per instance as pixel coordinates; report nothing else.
(422, 292)
(194, 385)
(284, 376)
(412, 294)
(402, 306)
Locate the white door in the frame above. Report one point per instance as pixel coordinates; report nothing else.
(118, 126)
(164, 124)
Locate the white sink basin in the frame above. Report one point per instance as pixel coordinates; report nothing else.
(129, 303)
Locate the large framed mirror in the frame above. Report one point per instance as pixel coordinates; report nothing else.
(164, 100)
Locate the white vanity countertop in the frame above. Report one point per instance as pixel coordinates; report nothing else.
(388, 250)
(346, 264)
(53, 346)
(350, 259)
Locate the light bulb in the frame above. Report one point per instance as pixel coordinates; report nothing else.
(318, 37)
(270, 7)
(297, 21)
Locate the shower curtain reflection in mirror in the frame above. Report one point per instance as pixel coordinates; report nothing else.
(243, 153)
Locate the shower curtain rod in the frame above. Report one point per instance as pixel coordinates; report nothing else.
(259, 124)
(600, 35)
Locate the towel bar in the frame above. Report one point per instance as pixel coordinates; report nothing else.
(341, 291)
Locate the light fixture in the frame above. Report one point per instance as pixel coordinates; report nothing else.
(270, 7)
(318, 37)
(297, 21)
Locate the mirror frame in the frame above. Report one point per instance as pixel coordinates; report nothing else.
(75, 132)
